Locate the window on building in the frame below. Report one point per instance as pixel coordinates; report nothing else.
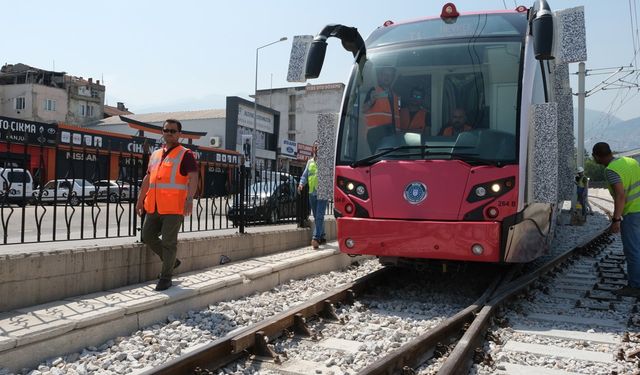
(20, 102)
(292, 103)
(49, 105)
(86, 110)
(292, 122)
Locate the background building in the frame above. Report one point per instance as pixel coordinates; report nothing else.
(33, 94)
(299, 108)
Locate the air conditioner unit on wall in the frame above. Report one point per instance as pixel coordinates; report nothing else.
(215, 141)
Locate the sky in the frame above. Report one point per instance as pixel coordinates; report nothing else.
(159, 56)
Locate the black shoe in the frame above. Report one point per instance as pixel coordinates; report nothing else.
(177, 263)
(163, 284)
(323, 241)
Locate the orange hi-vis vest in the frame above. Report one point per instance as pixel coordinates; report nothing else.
(448, 131)
(380, 112)
(415, 123)
(168, 189)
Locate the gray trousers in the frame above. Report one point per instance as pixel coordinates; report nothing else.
(166, 248)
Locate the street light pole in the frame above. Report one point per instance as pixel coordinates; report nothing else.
(255, 110)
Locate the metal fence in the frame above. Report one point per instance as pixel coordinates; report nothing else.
(57, 193)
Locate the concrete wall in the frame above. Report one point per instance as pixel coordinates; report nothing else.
(311, 101)
(34, 97)
(31, 279)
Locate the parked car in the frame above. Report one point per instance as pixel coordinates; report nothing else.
(64, 190)
(113, 190)
(16, 186)
(267, 201)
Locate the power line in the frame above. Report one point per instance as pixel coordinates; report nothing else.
(504, 3)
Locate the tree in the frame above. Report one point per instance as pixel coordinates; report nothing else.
(593, 170)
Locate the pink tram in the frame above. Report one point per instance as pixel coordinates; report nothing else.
(444, 188)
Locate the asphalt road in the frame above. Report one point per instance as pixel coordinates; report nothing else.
(100, 221)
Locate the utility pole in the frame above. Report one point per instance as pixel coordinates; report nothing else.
(581, 97)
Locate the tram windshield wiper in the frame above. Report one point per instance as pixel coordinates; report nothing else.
(473, 158)
(370, 160)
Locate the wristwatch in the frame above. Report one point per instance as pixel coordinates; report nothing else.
(614, 220)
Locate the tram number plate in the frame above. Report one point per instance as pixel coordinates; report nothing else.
(506, 203)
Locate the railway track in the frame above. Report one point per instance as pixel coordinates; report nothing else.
(270, 343)
(447, 347)
(579, 292)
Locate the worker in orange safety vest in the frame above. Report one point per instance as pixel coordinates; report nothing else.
(166, 196)
(381, 108)
(413, 117)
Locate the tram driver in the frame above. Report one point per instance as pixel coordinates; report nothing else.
(457, 124)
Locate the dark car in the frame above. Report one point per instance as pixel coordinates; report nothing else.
(267, 201)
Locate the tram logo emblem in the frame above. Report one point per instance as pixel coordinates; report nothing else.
(415, 192)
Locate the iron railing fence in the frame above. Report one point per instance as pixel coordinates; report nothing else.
(60, 192)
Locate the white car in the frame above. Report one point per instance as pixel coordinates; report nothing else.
(63, 190)
(113, 190)
(16, 186)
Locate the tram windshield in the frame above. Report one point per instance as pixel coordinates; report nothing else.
(451, 96)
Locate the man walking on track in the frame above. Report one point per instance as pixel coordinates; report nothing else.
(166, 196)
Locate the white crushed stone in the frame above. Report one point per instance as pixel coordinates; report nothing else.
(381, 324)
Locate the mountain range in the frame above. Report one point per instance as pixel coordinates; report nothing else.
(602, 127)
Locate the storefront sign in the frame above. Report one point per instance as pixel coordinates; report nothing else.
(31, 132)
(264, 121)
(304, 152)
(288, 148)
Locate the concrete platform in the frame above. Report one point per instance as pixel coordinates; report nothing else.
(37, 273)
(30, 335)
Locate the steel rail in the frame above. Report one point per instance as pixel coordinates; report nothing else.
(416, 351)
(256, 337)
(459, 360)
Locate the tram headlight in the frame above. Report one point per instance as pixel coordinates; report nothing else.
(350, 243)
(477, 249)
(352, 187)
(490, 189)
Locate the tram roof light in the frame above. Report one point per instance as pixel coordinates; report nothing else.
(521, 9)
(387, 23)
(449, 10)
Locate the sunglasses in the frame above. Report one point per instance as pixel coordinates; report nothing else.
(172, 131)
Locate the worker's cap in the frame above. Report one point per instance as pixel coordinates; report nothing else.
(580, 170)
